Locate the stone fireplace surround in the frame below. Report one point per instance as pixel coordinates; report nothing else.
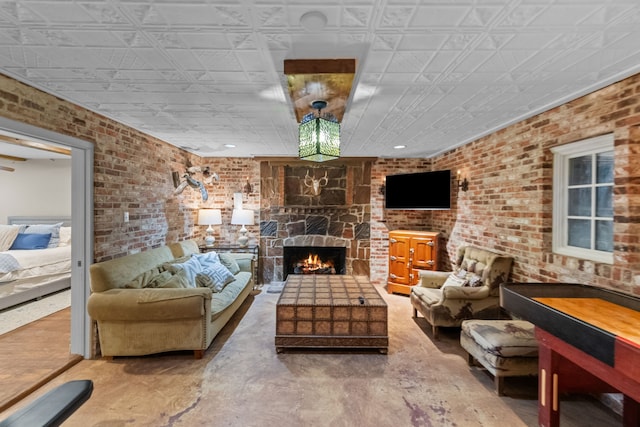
(326, 220)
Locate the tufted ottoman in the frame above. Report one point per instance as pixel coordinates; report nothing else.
(506, 348)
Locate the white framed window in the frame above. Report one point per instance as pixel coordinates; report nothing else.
(583, 173)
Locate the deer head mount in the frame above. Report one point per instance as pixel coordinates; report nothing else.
(315, 184)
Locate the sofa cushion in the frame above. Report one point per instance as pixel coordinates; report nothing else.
(229, 262)
(428, 296)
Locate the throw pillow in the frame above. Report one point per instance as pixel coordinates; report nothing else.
(454, 280)
(207, 259)
(205, 281)
(474, 281)
(142, 280)
(220, 276)
(54, 229)
(191, 268)
(65, 236)
(178, 280)
(31, 241)
(230, 262)
(8, 234)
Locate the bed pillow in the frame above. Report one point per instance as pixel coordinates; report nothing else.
(54, 229)
(8, 234)
(31, 241)
(65, 236)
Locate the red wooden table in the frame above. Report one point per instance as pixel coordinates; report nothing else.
(589, 342)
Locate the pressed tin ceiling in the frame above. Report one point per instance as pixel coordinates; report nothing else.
(430, 74)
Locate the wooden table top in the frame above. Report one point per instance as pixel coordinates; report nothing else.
(616, 319)
(330, 290)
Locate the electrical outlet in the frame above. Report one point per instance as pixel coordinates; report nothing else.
(126, 217)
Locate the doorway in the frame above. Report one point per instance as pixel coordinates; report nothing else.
(82, 219)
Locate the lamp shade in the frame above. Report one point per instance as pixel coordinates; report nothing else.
(209, 217)
(242, 217)
(319, 140)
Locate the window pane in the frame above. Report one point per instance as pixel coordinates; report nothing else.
(605, 167)
(604, 236)
(604, 201)
(580, 170)
(580, 202)
(579, 233)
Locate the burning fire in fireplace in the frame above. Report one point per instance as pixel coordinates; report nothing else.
(314, 265)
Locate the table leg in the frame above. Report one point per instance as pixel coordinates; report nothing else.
(548, 399)
(631, 412)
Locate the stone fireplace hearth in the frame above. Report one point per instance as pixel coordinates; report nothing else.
(295, 213)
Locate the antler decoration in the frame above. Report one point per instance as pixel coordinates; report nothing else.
(315, 184)
(187, 180)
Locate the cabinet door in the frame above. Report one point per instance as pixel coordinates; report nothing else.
(423, 252)
(398, 258)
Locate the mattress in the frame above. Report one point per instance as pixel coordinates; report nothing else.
(39, 263)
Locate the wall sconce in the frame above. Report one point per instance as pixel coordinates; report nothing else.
(247, 187)
(464, 184)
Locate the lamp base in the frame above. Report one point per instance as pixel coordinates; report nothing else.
(243, 240)
(209, 241)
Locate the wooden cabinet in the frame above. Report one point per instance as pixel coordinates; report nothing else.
(410, 252)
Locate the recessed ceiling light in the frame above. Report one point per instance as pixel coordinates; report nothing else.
(399, 147)
(230, 145)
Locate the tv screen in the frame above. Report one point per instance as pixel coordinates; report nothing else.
(421, 190)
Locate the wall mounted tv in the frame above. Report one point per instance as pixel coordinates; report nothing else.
(420, 190)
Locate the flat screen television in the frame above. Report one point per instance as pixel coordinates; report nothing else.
(418, 191)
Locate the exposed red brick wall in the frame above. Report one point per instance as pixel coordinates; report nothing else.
(132, 172)
(508, 207)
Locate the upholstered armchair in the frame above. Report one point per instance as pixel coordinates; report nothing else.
(470, 291)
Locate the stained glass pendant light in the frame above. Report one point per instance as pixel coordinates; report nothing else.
(318, 136)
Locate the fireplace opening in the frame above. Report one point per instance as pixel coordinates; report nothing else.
(313, 260)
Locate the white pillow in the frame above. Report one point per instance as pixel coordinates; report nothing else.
(454, 280)
(191, 268)
(8, 234)
(207, 259)
(65, 236)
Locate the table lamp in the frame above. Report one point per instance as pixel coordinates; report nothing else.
(209, 217)
(242, 217)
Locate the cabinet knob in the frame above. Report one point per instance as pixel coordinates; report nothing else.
(393, 276)
(411, 250)
(393, 241)
(430, 243)
(393, 258)
(431, 262)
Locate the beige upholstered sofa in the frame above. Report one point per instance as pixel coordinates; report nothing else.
(470, 291)
(134, 320)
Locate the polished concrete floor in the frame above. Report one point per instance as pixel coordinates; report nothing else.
(242, 381)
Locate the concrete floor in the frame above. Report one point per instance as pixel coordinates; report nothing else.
(242, 381)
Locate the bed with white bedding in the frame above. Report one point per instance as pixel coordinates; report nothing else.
(27, 271)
